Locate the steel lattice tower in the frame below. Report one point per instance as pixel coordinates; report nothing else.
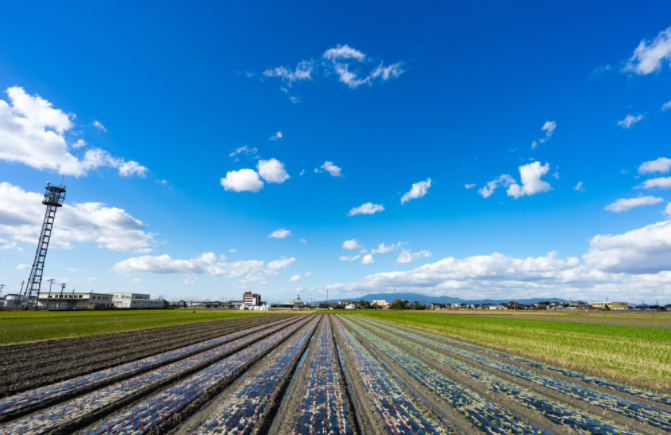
(54, 196)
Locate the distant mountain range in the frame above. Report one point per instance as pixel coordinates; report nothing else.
(424, 299)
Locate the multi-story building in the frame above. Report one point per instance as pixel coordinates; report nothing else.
(73, 300)
(135, 300)
(252, 299)
(618, 306)
(381, 303)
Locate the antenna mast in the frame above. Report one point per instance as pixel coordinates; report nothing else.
(54, 196)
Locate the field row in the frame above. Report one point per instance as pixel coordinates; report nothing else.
(326, 374)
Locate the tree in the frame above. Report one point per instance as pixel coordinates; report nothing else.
(364, 304)
(397, 305)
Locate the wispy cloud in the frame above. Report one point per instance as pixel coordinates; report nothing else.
(367, 208)
(629, 120)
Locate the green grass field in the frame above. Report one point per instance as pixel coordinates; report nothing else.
(22, 326)
(636, 354)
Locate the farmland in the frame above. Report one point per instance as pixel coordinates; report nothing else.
(22, 326)
(310, 374)
(634, 354)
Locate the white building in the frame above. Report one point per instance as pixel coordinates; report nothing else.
(10, 301)
(73, 300)
(350, 307)
(380, 303)
(135, 300)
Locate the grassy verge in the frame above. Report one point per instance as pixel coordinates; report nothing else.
(23, 326)
(632, 354)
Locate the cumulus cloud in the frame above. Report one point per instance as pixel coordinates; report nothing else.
(343, 52)
(280, 233)
(661, 182)
(648, 56)
(667, 210)
(22, 213)
(346, 258)
(641, 251)
(469, 186)
(549, 128)
(530, 175)
(417, 190)
(232, 250)
(295, 278)
(32, 132)
(504, 180)
(662, 165)
(308, 274)
(207, 257)
(624, 204)
(330, 168)
(162, 264)
(23, 266)
(276, 136)
(272, 171)
(244, 180)
(406, 256)
(382, 249)
(367, 208)
(351, 244)
(367, 259)
(283, 263)
(99, 126)
(629, 120)
(6, 244)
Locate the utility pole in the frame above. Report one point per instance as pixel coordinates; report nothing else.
(60, 299)
(1, 287)
(21, 292)
(73, 299)
(51, 282)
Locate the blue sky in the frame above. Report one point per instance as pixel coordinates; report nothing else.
(183, 132)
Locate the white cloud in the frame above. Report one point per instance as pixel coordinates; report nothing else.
(187, 281)
(666, 106)
(487, 190)
(276, 136)
(534, 144)
(648, 56)
(23, 266)
(272, 171)
(136, 279)
(661, 182)
(406, 256)
(302, 172)
(555, 175)
(367, 208)
(548, 128)
(667, 210)
(244, 149)
(22, 213)
(418, 190)
(295, 278)
(251, 271)
(330, 168)
(346, 258)
(469, 186)
(363, 251)
(5, 244)
(367, 259)
(344, 52)
(382, 249)
(351, 244)
(308, 274)
(232, 250)
(162, 264)
(98, 125)
(625, 204)
(280, 233)
(281, 264)
(530, 175)
(644, 250)
(92, 280)
(80, 143)
(32, 132)
(579, 187)
(662, 165)
(303, 71)
(629, 120)
(207, 257)
(242, 180)
(303, 241)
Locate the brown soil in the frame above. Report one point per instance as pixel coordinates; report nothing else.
(28, 366)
